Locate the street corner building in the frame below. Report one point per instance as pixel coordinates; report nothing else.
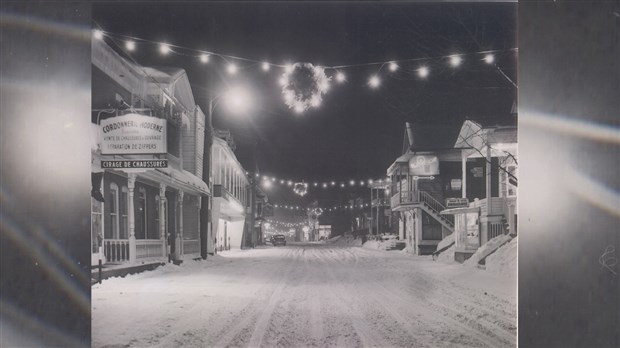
(462, 193)
(148, 190)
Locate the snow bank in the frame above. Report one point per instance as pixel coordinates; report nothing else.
(346, 241)
(385, 244)
(331, 240)
(447, 256)
(374, 244)
(504, 261)
(487, 249)
(446, 241)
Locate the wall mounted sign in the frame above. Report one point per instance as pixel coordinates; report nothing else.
(457, 202)
(133, 134)
(134, 164)
(424, 165)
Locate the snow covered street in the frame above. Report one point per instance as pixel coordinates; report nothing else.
(318, 295)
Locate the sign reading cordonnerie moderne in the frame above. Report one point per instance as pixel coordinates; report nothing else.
(133, 134)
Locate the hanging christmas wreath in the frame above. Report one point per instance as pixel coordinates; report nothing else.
(303, 86)
(300, 188)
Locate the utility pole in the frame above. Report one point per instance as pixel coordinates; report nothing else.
(205, 207)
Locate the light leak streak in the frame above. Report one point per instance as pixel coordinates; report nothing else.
(46, 26)
(568, 126)
(48, 261)
(599, 195)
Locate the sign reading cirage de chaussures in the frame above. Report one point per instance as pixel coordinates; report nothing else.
(133, 134)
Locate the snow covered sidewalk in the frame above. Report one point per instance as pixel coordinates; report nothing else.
(310, 295)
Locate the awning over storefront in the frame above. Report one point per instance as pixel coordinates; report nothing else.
(462, 210)
(183, 179)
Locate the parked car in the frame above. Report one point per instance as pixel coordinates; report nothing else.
(278, 239)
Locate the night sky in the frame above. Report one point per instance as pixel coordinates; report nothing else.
(357, 131)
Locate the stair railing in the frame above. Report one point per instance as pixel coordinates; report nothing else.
(433, 204)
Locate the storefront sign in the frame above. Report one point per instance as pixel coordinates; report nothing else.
(424, 165)
(133, 134)
(136, 164)
(457, 203)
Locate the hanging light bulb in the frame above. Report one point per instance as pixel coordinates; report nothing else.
(98, 34)
(489, 58)
(374, 81)
(265, 66)
(393, 66)
(204, 58)
(340, 77)
(164, 49)
(232, 68)
(423, 72)
(455, 61)
(130, 45)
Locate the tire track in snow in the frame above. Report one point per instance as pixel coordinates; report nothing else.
(252, 313)
(431, 310)
(367, 336)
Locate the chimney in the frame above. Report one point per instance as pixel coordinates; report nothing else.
(409, 128)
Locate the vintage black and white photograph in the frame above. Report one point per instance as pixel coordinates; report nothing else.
(304, 174)
(309, 174)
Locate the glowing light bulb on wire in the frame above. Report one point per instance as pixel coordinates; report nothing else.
(455, 61)
(164, 49)
(98, 34)
(340, 77)
(130, 45)
(423, 72)
(374, 81)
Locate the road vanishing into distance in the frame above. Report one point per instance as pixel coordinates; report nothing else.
(307, 295)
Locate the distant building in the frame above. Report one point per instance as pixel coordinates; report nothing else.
(231, 197)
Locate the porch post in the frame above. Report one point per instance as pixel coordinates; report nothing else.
(488, 181)
(131, 184)
(511, 219)
(178, 244)
(463, 174)
(162, 218)
(418, 229)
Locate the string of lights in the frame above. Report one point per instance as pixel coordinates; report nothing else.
(326, 208)
(276, 223)
(233, 63)
(268, 181)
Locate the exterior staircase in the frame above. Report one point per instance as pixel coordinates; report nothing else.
(433, 208)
